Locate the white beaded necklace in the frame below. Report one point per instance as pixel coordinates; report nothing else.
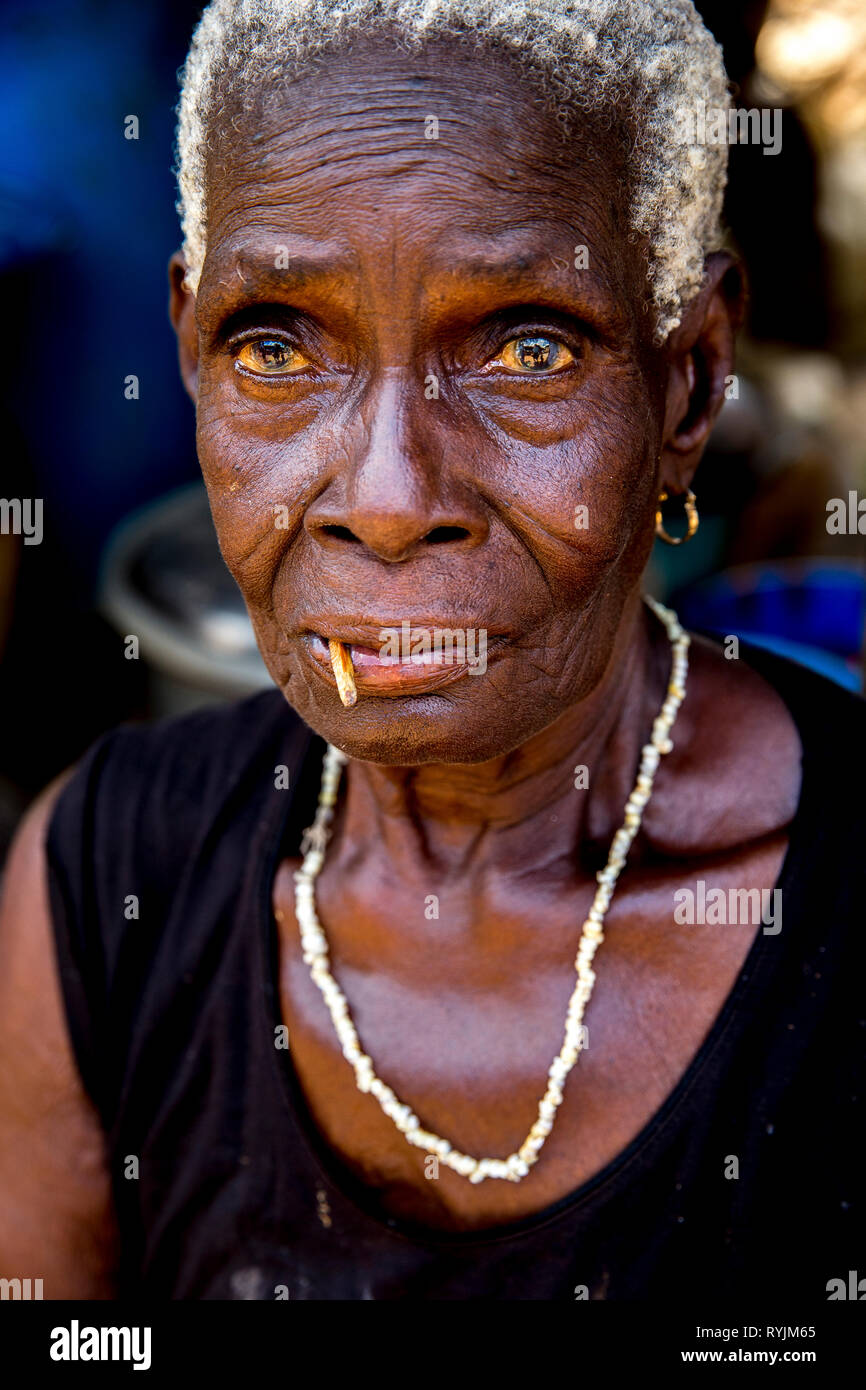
(315, 946)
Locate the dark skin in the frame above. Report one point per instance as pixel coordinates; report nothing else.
(410, 258)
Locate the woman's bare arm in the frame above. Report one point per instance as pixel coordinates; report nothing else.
(56, 1213)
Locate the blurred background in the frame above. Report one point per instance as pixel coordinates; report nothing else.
(96, 424)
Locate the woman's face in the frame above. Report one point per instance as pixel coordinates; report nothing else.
(420, 401)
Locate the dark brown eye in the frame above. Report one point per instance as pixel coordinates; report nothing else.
(270, 357)
(534, 354)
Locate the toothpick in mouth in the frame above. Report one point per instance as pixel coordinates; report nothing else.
(344, 672)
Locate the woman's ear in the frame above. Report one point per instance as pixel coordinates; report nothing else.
(700, 368)
(181, 311)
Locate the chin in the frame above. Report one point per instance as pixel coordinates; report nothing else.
(414, 730)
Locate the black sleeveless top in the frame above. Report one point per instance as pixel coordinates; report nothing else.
(162, 852)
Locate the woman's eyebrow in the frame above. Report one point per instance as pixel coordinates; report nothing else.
(274, 271)
(545, 279)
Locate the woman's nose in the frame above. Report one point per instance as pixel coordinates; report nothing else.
(394, 493)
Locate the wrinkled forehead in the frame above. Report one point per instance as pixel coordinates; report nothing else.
(447, 158)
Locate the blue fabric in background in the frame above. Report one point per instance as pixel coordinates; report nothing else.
(809, 610)
(87, 223)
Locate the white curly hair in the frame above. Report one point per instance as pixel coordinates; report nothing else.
(644, 62)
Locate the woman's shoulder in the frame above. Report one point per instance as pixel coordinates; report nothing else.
(810, 697)
(182, 755)
(767, 698)
(226, 734)
(759, 740)
(154, 786)
(830, 724)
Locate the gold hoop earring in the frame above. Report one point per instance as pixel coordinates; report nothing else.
(691, 517)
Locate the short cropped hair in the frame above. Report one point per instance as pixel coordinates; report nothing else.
(641, 62)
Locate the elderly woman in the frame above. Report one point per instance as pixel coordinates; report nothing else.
(554, 997)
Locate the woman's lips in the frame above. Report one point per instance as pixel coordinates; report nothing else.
(411, 668)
